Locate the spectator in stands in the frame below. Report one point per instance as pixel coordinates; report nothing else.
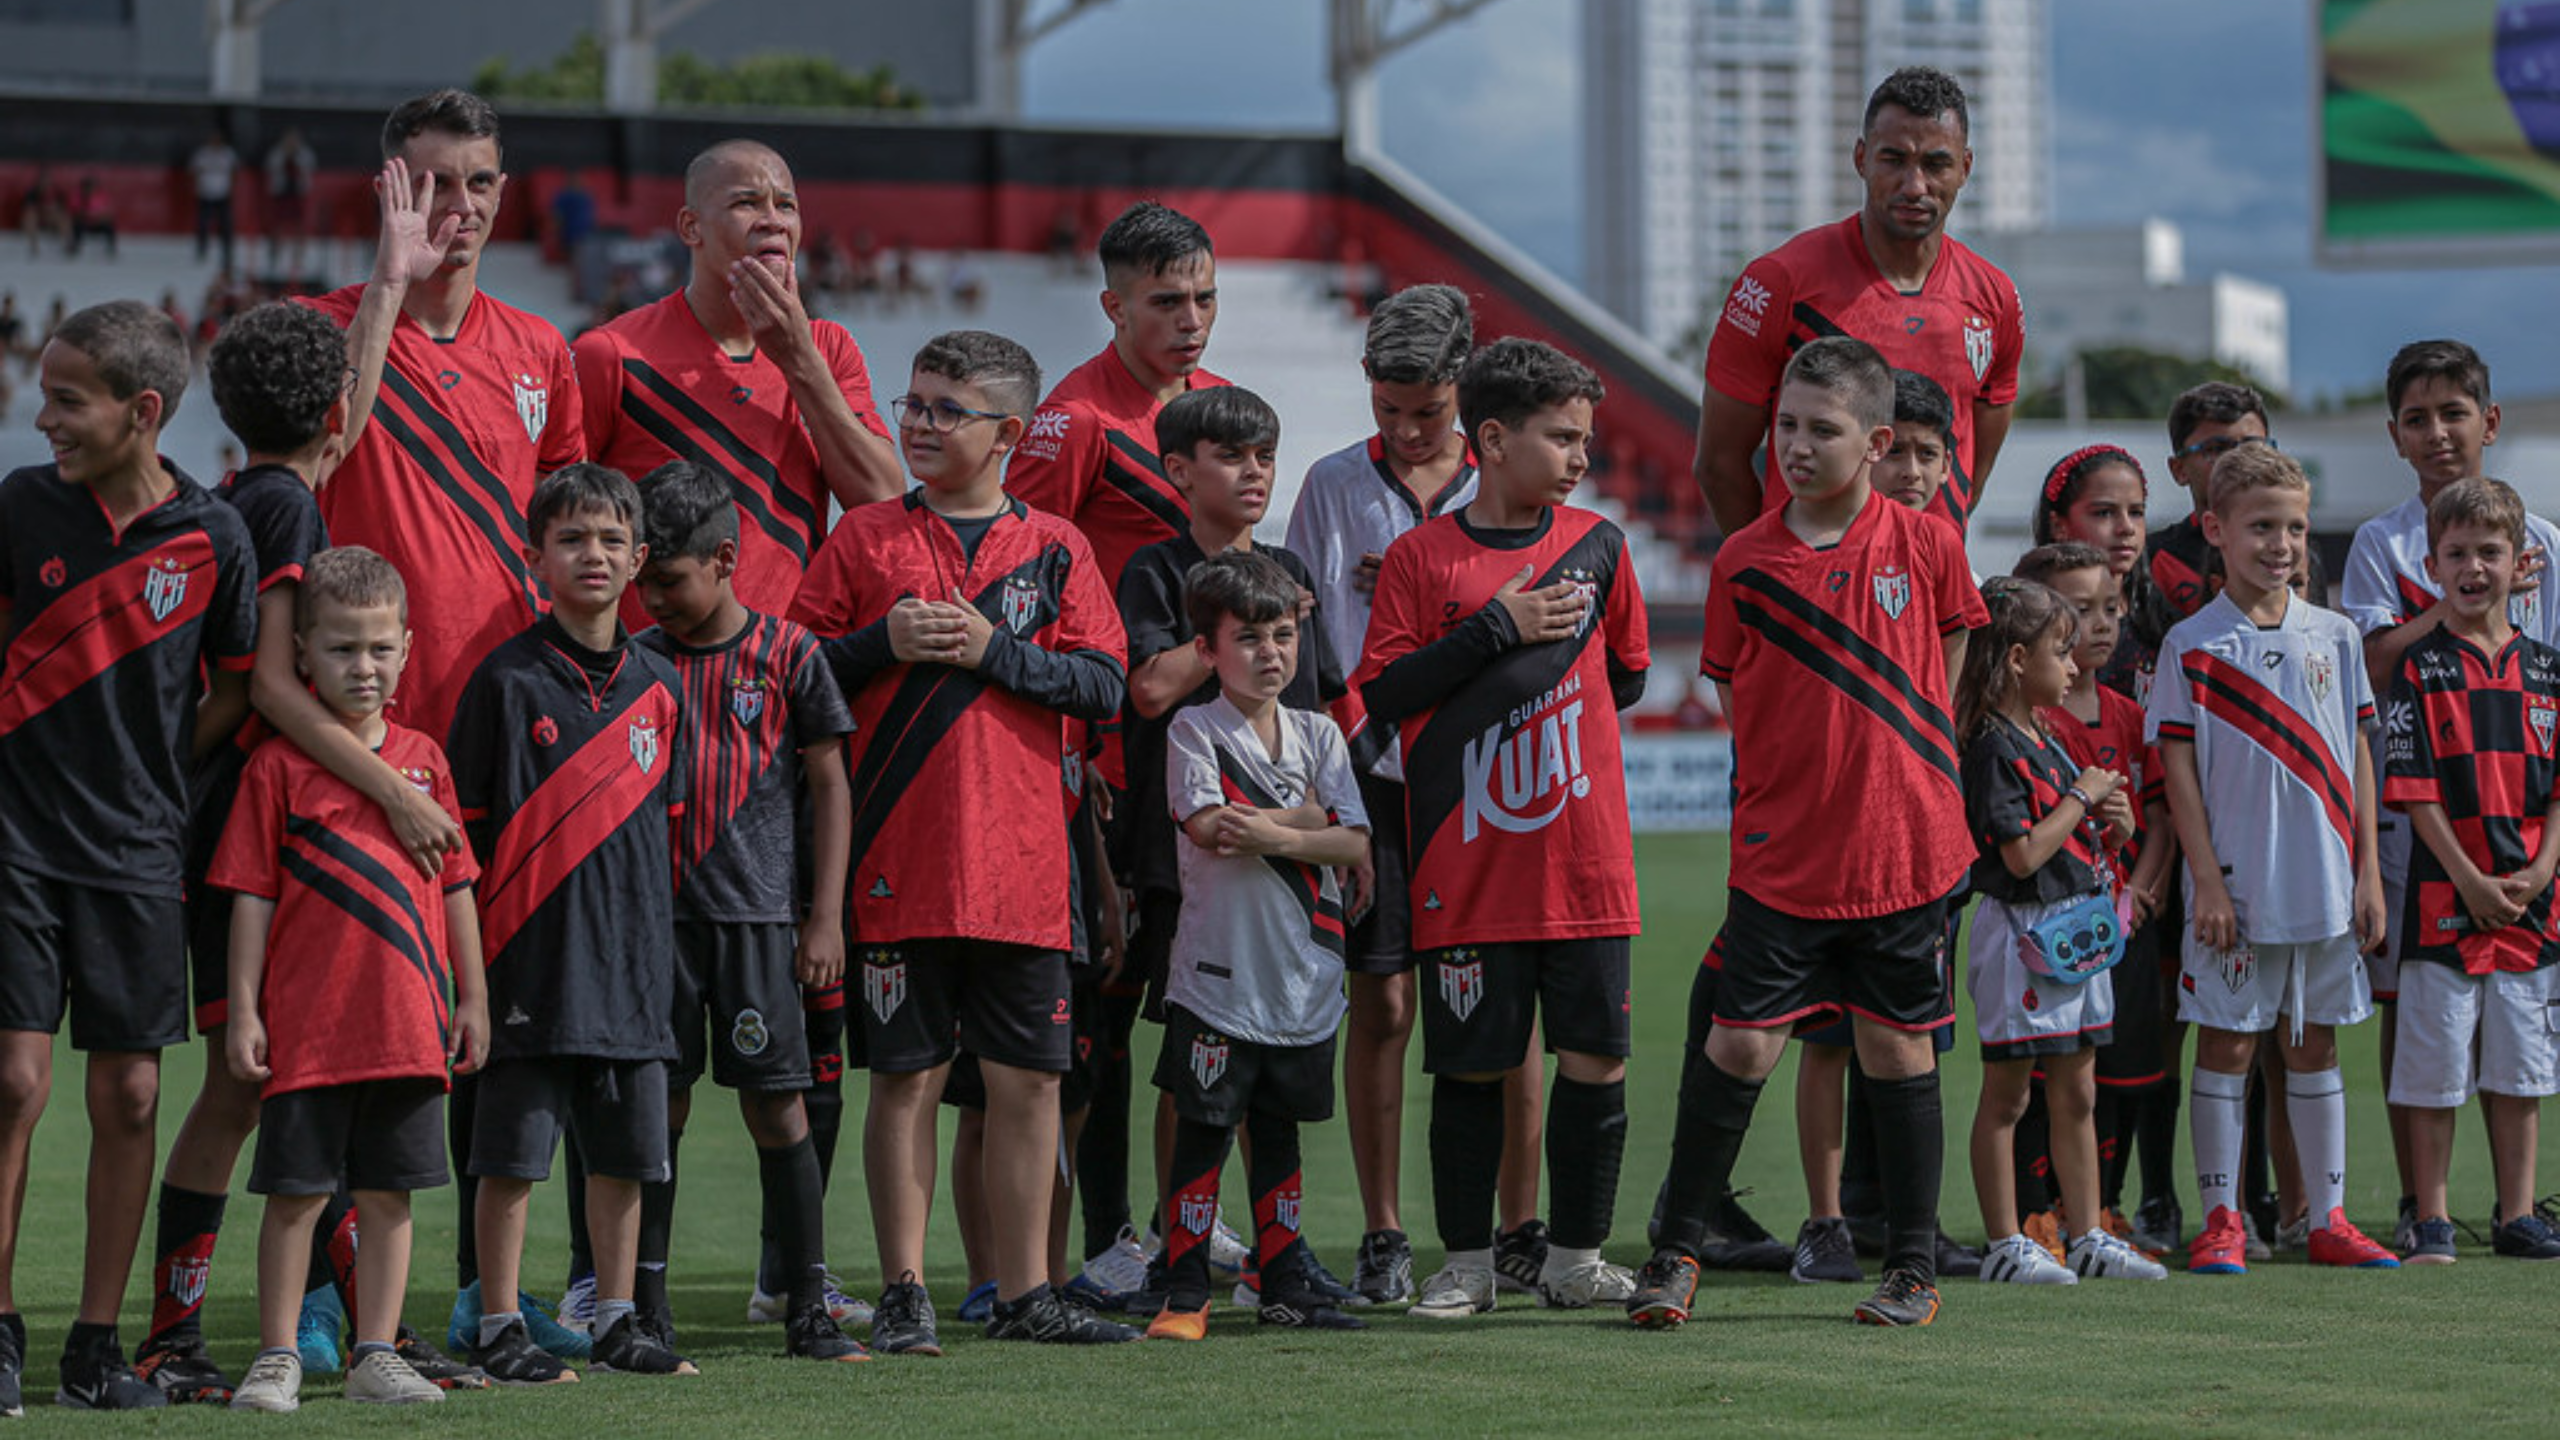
(965, 282)
(292, 171)
(92, 213)
(45, 211)
(213, 168)
(573, 217)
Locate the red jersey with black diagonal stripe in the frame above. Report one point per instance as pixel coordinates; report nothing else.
(1090, 456)
(438, 483)
(358, 981)
(1845, 796)
(571, 768)
(958, 830)
(2114, 741)
(2480, 736)
(110, 632)
(657, 388)
(752, 702)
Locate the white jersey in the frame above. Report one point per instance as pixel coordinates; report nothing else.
(1258, 954)
(2274, 715)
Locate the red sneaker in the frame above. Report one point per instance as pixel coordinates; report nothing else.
(2338, 1242)
(2223, 1248)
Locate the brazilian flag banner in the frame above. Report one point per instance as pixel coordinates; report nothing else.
(2439, 131)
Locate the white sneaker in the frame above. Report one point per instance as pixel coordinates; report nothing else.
(383, 1378)
(1227, 1250)
(1121, 1269)
(768, 1309)
(2017, 1260)
(273, 1384)
(1578, 1285)
(2101, 1256)
(1455, 1292)
(2294, 1236)
(577, 1306)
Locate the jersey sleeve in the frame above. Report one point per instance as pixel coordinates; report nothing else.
(824, 603)
(247, 861)
(1720, 644)
(1056, 460)
(2367, 593)
(1395, 621)
(231, 626)
(564, 430)
(1087, 620)
(2359, 678)
(1623, 624)
(853, 377)
(1999, 798)
(2408, 751)
(1336, 787)
(1748, 348)
(1960, 604)
(1191, 782)
(461, 867)
(818, 711)
(471, 747)
(598, 355)
(1150, 605)
(285, 530)
(2008, 344)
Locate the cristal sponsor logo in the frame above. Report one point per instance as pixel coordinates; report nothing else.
(1047, 432)
(2400, 733)
(1747, 306)
(1520, 774)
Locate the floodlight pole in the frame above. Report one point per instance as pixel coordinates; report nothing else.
(231, 44)
(1011, 30)
(632, 30)
(1361, 34)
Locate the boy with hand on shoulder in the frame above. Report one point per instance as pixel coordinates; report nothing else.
(129, 600)
(2468, 753)
(966, 629)
(342, 953)
(2258, 716)
(1499, 632)
(1264, 794)
(571, 761)
(763, 712)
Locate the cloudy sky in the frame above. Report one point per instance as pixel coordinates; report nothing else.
(2198, 110)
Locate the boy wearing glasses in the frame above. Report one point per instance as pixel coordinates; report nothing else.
(966, 629)
(2205, 424)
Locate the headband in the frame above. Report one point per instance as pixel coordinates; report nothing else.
(2081, 459)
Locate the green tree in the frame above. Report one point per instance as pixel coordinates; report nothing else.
(777, 80)
(2128, 382)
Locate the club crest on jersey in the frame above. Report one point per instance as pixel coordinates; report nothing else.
(1208, 1060)
(1892, 586)
(749, 1036)
(2322, 671)
(884, 985)
(1586, 594)
(1462, 982)
(187, 1276)
(1021, 604)
(746, 701)
(2524, 610)
(1977, 345)
(1521, 771)
(420, 777)
(545, 730)
(533, 405)
(644, 744)
(2541, 716)
(164, 586)
(2237, 966)
(53, 572)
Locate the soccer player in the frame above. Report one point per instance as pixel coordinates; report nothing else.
(1854, 834)
(1888, 276)
(764, 713)
(342, 956)
(129, 598)
(1498, 633)
(967, 630)
(2258, 720)
(731, 373)
(571, 760)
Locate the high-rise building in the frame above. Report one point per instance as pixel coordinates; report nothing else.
(1714, 129)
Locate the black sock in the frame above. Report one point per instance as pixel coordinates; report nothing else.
(2256, 1163)
(87, 1339)
(2155, 1139)
(182, 1269)
(2031, 1158)
(795, 1219)
(2114, 1112)
(1859, 1190)
(1911, 1130)
(1586, 1142)
(1102, 1149)
(1191, 1211)
(466, 1186)
(657, 1236)
(1706, 1138)
(1466, 1159)
(1278, 1179)
(822, 1017)
(573, 1179)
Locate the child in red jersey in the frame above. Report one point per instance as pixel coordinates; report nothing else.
(1504, 638)
(967, 629)
(341, 956)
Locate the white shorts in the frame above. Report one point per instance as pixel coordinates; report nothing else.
(2247, 988)
(2012, 1005)
(2461, 1033)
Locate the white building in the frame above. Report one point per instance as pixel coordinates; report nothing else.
(1715, 129)
(2128, 286)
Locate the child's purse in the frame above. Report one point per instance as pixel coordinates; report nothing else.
(2072, 939)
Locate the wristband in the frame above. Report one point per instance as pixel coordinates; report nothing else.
(2088, 807)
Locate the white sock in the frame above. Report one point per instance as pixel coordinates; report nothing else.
(2317, 1101)
(2217, 1122)
(1562, 1258)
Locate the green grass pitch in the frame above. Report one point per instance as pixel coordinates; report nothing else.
(2281, 1352)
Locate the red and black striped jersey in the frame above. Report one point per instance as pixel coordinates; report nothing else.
(751, 704)
(110, 632)
(359, 980)
(2178, 555)
(2474, 733)
(2113, 741)
(571, 767)
(1515, 791)
(439, 481)
(657, 388)
(2013, 779)
(958, 827)
(1846, 800)
(1090, 457)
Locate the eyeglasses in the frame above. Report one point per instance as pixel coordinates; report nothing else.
(2221, 445)
(940, 416)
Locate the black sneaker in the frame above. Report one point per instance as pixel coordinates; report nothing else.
(1665, 1286)
(1903, 1299)
(1824, 1252)
(1736, 1242)
(96, 1378)
(513, 1359)
(813, 1334)
(630, 1349)
(13, 1359)
(1520, 1257)
(1383, 1272)
(658, 1325)
(2526, 1237)
(1304, 1309)
(1150, 1297)
(1325, 1285)
(1042, 1317)
(1956, 1262)
(185, 1372)
(902, 1323)
(2158, 1226)
(436, 1367)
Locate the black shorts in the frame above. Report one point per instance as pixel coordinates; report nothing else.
(1780, 969)
(1841, 1030)
(1382, 940)
(2040, 1046)
(1217, 1079)
(2131, 1058)
(1150, 961)
(1479, 1002)
(617, 1109)
(208, 911)
(965, 1088)
(115, 959)
(379, 1134)
(736, 981)
(921, 1000)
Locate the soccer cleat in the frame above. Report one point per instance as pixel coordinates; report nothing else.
(13, 1363)
(1045, 1319)
(98, 1379)
(1080, 1290)
(1302, 1309)
(436, 1367)
(1664, 1288)
(1519, 1258)
(2340, 1243)
(902, 1323)
(1383, 1271)
(2430, 1243)
(548, 1333)
(1825, 1251)
(1328, 1287)
(1957, 1262)
(578, 1304)
(2293, 1235)
(273, 1384)
(2527, 1237)
(1121, 1266)
(2045, 1228)
(1228, 1254)
(814, 1335)
(1736, 1242)
(1580, 1286)
(2017, 1260)
(979, 1303)
(2099, 1255)
(315, 1331)
(185, 1373)
(383, 1378)
(1172, 1324)
(2222, 1247)
(630, 1348)
(2404, 1225)
(513, 1359)
(2157, 1226)
(1903, 1298)
(1456, 1291)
